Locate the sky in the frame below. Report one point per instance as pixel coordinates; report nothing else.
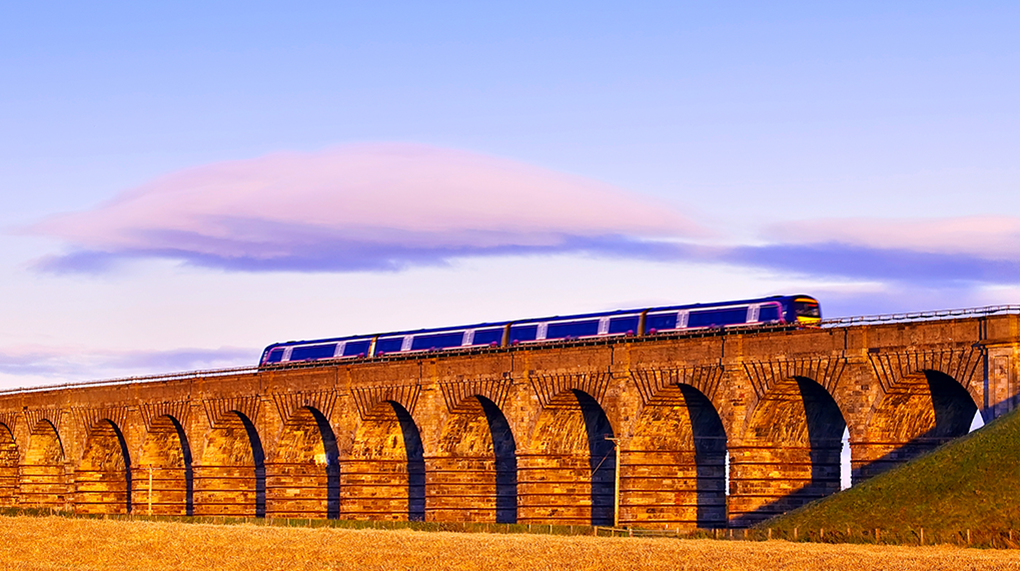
(185, 184)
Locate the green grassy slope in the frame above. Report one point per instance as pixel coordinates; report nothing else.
(970, 483)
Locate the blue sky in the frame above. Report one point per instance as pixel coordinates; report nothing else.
(651, 153)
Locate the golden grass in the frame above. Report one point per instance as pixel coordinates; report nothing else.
(32, 543)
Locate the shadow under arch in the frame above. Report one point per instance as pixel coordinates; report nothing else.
(473, 474)
(922, 411)
(233, 470)
(568, 475)
(41, 482)
(305, 480)
(674, 465)
(790, 454)
(167, 461)
(102, 480)
(9, 461)
(384, 476)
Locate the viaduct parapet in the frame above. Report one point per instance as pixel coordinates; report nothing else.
(520, 434)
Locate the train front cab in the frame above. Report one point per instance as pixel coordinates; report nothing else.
(805, 311)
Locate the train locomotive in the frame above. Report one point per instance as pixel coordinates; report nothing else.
(798, 310)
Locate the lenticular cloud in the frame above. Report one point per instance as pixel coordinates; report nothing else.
(371, 207)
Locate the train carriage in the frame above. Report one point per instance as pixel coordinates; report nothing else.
(800, 310)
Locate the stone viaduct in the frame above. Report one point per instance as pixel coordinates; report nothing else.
(519, 434)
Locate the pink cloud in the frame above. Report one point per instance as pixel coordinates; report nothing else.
(989, 237)
(380, 206)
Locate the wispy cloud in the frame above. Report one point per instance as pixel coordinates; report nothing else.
(369, 207)
(71, 364)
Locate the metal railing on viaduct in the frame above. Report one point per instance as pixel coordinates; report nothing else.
(639, 430)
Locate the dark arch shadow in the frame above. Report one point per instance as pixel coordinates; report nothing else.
(825, 425)
(601, 457)
(259, 457)
(709, 457)
(127, 461)
(329, 446)
(954, 407)
(189, 476)
(415, 464)
(954, 410)
(505, 450)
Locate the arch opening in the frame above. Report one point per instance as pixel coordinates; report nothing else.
(304, 478)
(384, 476)
(473, 475)
(231, 480)
(790, 454)
(8, 467)
(568, 475)
(673, 470)
(102, 481)
(919, 413)
(165, 485)
(41, 482)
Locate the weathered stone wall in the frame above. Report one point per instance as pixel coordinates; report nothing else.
(519, 434)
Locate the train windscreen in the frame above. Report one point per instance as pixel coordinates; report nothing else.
(275, 356)
(807, 308)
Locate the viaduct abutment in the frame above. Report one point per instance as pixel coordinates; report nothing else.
(527, 434)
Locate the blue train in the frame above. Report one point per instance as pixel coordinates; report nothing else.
(789, 309)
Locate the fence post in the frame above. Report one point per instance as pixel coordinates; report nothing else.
(770, 534)
(922, 536)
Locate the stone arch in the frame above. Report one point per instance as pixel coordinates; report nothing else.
(918, 412)
(231, 480)
(41, 482)
(304, 478)
(673, 468)
(9, 460)
(102, 481)
(384, 475)
(790, 451)
(567, 476)
(472, 475)
(165, 482)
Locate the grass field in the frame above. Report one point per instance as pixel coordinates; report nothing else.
(970, 483)
(32, 543)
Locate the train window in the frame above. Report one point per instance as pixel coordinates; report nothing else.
(524, 333)
(572, 329)
(488, 336)
(437, 341)
(661, 322)
(275, 356)
(355, 348)
(717, 317)
(388, 345)
(806, 309)
(624, 324)
(768, 313)
(313, 352)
